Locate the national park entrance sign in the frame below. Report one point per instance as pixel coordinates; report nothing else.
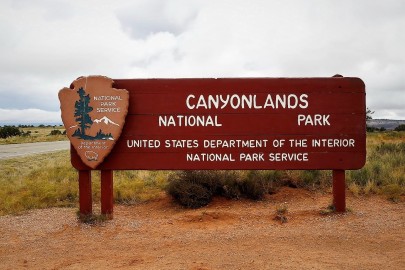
(213, 124)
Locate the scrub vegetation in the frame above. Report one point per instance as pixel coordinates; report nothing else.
(30, 134)
(49, 180)
(384, 172)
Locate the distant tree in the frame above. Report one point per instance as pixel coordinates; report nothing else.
(400, 128)
(9, 131)
(82, 113)
(368, 114)
(371, 129)
(369, 117)
(55, 132)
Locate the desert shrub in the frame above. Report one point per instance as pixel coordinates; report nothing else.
(393, 192)
(188, 194)
(273, 180)
(360, 177)
(196, 188)
(281, 213)
(55, 132)
(254, 186)
(389, 148)
(354, 188)
(400, 128)
(371, 129)
(311, 178)
(9, 131)
(230, 185)
(193, 189)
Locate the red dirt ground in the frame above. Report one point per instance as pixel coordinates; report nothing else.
(225, 235)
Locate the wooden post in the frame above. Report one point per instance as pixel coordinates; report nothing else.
(339, 190)
(85, 196)
(107, 197)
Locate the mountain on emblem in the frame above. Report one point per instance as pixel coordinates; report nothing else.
(105, 120)
(93, 123)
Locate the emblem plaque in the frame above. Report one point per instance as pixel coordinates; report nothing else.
(93, 113)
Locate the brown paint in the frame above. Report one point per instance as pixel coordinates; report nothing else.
(106, 109)
(339, 190)
(85, 195)
(107, 192)
(342, 100)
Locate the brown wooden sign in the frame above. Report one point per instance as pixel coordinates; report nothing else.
(244, 123)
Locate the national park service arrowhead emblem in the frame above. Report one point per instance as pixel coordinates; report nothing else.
(93, 114)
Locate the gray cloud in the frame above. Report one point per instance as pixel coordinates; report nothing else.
(47, 44)
(143, 18)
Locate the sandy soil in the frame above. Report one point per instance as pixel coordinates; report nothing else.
(225, 235)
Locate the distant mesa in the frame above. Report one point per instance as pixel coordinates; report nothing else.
(105, 120)
(388, 124)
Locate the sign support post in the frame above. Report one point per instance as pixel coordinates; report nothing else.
(85, 196)
(107, 196)
(339, 191)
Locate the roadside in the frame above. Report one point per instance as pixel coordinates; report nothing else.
(227, 234)
(23, 149)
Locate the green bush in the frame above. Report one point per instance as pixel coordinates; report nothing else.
(400, 128)
(55, 132)
(230, 185)
(192, 189)
(9, 131)
(393, 192)
(254, 186)
(195, 189)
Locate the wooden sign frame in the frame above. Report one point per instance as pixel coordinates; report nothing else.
(236, 123)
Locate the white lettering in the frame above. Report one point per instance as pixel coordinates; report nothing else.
(251, 156)
(188, 121)
(277, 157)
(209, 157)
(333, 143)
(238, 101)
(188, 102)
(313, 120)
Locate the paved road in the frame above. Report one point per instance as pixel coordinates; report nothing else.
(24, 149)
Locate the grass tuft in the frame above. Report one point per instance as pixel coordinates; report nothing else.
(281, 213)
(330, 209)
(93, 219)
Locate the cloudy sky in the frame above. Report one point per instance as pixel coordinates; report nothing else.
(46, 44)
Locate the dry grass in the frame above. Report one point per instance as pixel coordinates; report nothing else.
(384, 169)
(49, 180)
(37, 134)
(37, 182)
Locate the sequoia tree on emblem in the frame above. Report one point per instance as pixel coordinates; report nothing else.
(93, 114)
